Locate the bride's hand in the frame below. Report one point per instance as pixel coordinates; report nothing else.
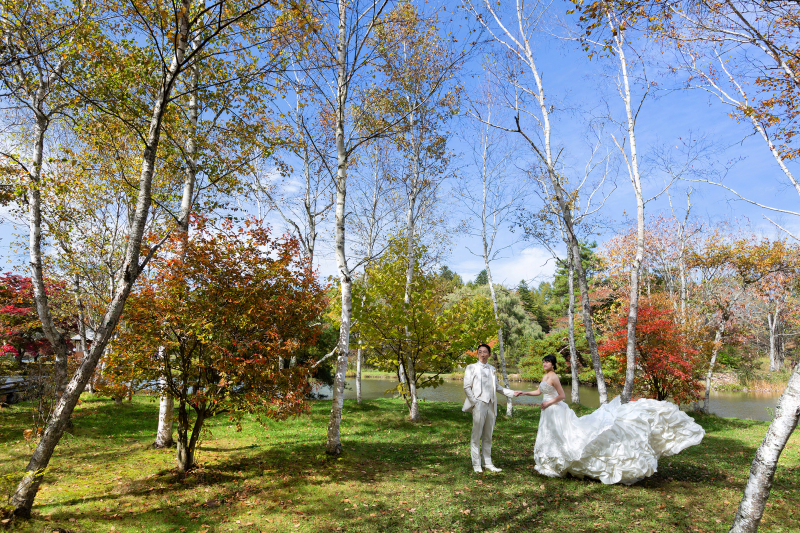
(544, 405)
(518, 393)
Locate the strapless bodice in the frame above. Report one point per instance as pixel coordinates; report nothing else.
(548, 391)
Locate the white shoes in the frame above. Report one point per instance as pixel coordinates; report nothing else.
(490, 468)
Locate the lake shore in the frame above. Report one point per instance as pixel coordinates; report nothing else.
(720, 381)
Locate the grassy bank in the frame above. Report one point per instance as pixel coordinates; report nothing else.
(395, 476)
(764, 381)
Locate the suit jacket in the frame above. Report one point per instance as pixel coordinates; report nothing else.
(473, 386)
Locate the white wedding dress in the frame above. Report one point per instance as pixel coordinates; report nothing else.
(618, 443)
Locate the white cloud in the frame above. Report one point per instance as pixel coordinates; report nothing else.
(532, 264)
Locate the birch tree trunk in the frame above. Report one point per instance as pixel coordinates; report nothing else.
(56, 339)
(334, 444)
(411, 372)
(166, 406)
(23, 497)
(773, 319)
(82, 326)
(587, 313)
(501, 351)
(633, 170)
(371, 238)
(488, 243)
(358, 373)
(517, 39)
(565, 209)
(714, 352)
(762, 472)
(573, 352)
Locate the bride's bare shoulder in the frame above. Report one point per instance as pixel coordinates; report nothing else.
(552, 379)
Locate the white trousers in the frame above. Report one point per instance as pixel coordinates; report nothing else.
(483, 417)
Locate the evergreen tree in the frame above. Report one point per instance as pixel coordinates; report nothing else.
(527, 300)
(532, 303)
(482, 279)
(520, 329)
(591, 264)
(454, 281)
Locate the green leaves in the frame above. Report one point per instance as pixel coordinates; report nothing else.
(430, 331)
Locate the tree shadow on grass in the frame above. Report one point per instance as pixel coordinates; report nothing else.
(396, 475)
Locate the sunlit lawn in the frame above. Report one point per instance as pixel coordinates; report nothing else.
(394, 476)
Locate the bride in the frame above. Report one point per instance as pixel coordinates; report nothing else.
(618, 443)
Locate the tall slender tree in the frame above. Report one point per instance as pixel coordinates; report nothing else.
(491, 198)
(167, 36)
(420, 98)
(515, 31)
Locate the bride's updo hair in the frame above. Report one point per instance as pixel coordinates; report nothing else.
(550, 359)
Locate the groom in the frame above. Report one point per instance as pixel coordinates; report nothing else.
(481, 386)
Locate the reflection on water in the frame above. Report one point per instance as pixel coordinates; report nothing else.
(755, 406)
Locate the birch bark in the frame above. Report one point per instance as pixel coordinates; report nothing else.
(56, 339)
(573, 352)
(82, 325)
(762, 472)
(775, 358)
(714, 352)
(166, 407)
(23, 498)
(632, 161)
(413, 409)
(348, 59)
(518, 42)
(334, 443)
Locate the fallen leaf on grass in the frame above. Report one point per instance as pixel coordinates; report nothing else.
(465, 511)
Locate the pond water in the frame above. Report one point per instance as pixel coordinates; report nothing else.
(754, 406)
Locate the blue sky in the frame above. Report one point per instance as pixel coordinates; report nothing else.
(580, 89)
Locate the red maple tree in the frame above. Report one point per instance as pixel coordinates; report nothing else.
(666, 364)
(20, 329)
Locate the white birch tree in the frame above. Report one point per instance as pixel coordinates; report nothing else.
(371, 217)
(762, 471)
(419, 68)
(169, 39)
(334, 71)
(491, 198)
(516, 35)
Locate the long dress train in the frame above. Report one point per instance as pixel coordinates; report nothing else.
(618, 443)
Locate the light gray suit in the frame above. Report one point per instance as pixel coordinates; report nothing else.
(484, 412)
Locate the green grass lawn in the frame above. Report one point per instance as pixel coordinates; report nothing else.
(393, 476)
